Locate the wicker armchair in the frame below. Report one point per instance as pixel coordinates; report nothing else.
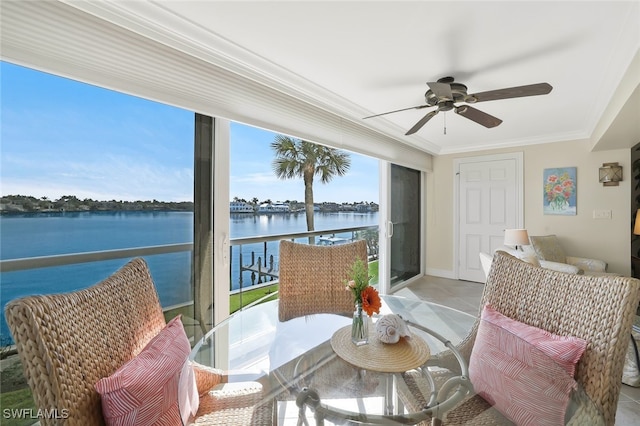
(67, 342)
(598, 309)
(312, 282)
(311, 278)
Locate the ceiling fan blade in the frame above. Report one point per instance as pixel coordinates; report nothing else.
(421, 123)
(398, 110)
(441, 90)
(511, 92)
(478, 116)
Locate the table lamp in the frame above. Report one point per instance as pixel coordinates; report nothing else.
(516, 237)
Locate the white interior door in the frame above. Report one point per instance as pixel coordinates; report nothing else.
(489, 201)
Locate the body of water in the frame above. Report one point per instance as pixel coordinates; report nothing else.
(46, 234)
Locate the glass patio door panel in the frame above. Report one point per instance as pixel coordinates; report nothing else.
(405, 231)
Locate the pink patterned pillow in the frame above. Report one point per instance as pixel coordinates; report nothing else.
(524, 371)
(145, 390)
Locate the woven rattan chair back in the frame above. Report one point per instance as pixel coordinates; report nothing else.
(312, 278)
(598, 309)
(67, 342)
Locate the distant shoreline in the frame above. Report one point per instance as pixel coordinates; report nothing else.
(21, 204)
(59, 212)
(25, 204)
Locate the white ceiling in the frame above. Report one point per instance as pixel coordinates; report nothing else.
(367, 57)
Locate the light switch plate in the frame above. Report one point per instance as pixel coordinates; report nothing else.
(602, 214)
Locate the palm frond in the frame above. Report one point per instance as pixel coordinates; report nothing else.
(295, 156)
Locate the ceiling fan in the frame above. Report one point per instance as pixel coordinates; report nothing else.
(445, 93)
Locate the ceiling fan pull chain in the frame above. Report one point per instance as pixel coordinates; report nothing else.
(445, 123)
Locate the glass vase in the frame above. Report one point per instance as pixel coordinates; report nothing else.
(360, 326)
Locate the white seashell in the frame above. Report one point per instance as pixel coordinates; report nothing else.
(390, 328)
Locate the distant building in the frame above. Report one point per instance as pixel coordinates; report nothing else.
(363, 208)
(296, 206)
(240, 207)
(329, 207)
(274, 208)
(346, 207)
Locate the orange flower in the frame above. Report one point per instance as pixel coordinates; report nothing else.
(370, 300)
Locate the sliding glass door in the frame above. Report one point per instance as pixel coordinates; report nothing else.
(405, 225)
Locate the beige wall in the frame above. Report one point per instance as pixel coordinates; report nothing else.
(580, 235)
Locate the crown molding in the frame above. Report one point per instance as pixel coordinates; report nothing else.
(565, 137)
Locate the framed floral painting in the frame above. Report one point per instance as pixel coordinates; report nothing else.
(560, 191)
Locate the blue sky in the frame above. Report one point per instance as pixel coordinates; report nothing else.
(60, 137)
(252, 174)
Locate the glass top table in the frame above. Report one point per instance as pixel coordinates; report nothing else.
(296, 364)
(304, 372)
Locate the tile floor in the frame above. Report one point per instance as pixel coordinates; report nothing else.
(465, 296)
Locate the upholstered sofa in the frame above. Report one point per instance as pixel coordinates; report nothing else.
(546, 251)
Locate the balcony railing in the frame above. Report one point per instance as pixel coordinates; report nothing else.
(262, 247)
(10, 265)
(254, 257)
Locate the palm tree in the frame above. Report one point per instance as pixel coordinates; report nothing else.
(298, 158)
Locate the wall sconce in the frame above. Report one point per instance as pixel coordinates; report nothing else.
(610, 174)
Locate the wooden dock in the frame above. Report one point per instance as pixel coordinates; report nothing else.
(261, 270)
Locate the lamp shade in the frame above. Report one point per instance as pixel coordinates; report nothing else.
(516, 237)
(636, 227)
